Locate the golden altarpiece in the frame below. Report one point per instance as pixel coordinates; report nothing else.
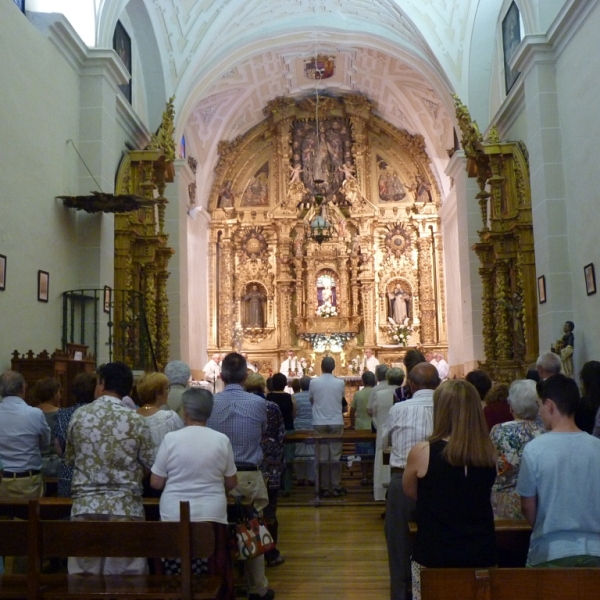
(505, 250)
(277, 283)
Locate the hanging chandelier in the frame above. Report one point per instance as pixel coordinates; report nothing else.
(319, 228)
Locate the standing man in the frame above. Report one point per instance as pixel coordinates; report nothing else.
(382, 383)
(212, 372)
(442, 366)
(291, 366)
(326, 394)
(558, 483)
(370, 362)
(110, 449)
(251, 366)
(24, 433)
(408, 423)
(242, 417)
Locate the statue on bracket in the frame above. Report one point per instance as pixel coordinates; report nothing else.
(254, 312)
(398, 303)
(226, 195)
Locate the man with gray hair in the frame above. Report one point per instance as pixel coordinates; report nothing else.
(212, 373)
(382, 384)
(24, 432)
(326, 394)
(548, 364)
(178, 373)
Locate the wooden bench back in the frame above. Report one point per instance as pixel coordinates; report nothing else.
(510, 584)
(14, 538)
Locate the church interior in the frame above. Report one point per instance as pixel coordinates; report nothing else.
(184, 178)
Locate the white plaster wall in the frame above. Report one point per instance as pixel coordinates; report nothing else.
(39, 96)
(578, 90)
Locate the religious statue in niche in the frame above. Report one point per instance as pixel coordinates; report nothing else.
(226, 195)
(564, 348)
(398, 303)
(326, 296)
(257, 188)
(253, 307)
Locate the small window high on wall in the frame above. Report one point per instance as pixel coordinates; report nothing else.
(122, 46)
(511, 36)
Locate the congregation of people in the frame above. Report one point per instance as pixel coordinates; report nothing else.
(462, 453)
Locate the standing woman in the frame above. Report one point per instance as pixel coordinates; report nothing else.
(46, 395)
(451, 477)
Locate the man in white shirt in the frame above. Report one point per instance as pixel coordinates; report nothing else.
(370, 362)
(442, 366)
(291, 366)
(251, 366)
(408, 423)
(212, 373)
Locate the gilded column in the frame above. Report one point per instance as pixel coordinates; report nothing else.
(489, 345)
(441, 308)
(426, 296)
(162, 320)
(226, 301)
(504, 324)
(368, 304)
(285, 314)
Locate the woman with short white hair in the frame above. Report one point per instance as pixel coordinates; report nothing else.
(509, 440)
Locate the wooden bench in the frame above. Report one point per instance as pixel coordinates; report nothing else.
(512, 540)
(510, 584)
(50, 538)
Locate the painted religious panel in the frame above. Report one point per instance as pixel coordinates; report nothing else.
(322, 155)
(256, 192)
(391, 188)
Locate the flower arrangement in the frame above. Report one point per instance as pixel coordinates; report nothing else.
(307, 367)
(399, 332)
(326, 310)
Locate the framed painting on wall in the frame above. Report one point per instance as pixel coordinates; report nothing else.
(43, 285)
(2, 272)
(590, 279)
(511, 36)
(542, 289)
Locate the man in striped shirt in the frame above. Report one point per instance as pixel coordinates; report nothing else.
(408, 423)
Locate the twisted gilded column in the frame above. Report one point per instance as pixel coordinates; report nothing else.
(490, 349)
(426, 296)
(504, 324)
(226, 300)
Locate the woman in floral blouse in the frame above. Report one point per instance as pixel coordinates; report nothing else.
(510, 439)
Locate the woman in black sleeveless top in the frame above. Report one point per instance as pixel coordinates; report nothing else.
(451, 478)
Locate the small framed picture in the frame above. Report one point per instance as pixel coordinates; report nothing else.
(107, 298)
(542, 289)
(590, 279)
(43, 285)
(2, 272)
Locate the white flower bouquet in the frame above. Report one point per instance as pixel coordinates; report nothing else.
(399, 332)
(326, 311)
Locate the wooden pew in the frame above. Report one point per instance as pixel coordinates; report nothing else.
(43, 538)
(512, 540)
(14, 541)
(510, 584)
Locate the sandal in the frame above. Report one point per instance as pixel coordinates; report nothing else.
(276, 562)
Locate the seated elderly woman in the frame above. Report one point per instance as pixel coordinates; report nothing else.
(451, 476)
(194, 464)
(509, 440)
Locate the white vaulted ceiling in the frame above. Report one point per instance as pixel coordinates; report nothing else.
(226, 59)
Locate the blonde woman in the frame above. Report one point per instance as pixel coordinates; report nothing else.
(451, 477)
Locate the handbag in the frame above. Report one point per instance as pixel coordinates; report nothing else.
(249, 535)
